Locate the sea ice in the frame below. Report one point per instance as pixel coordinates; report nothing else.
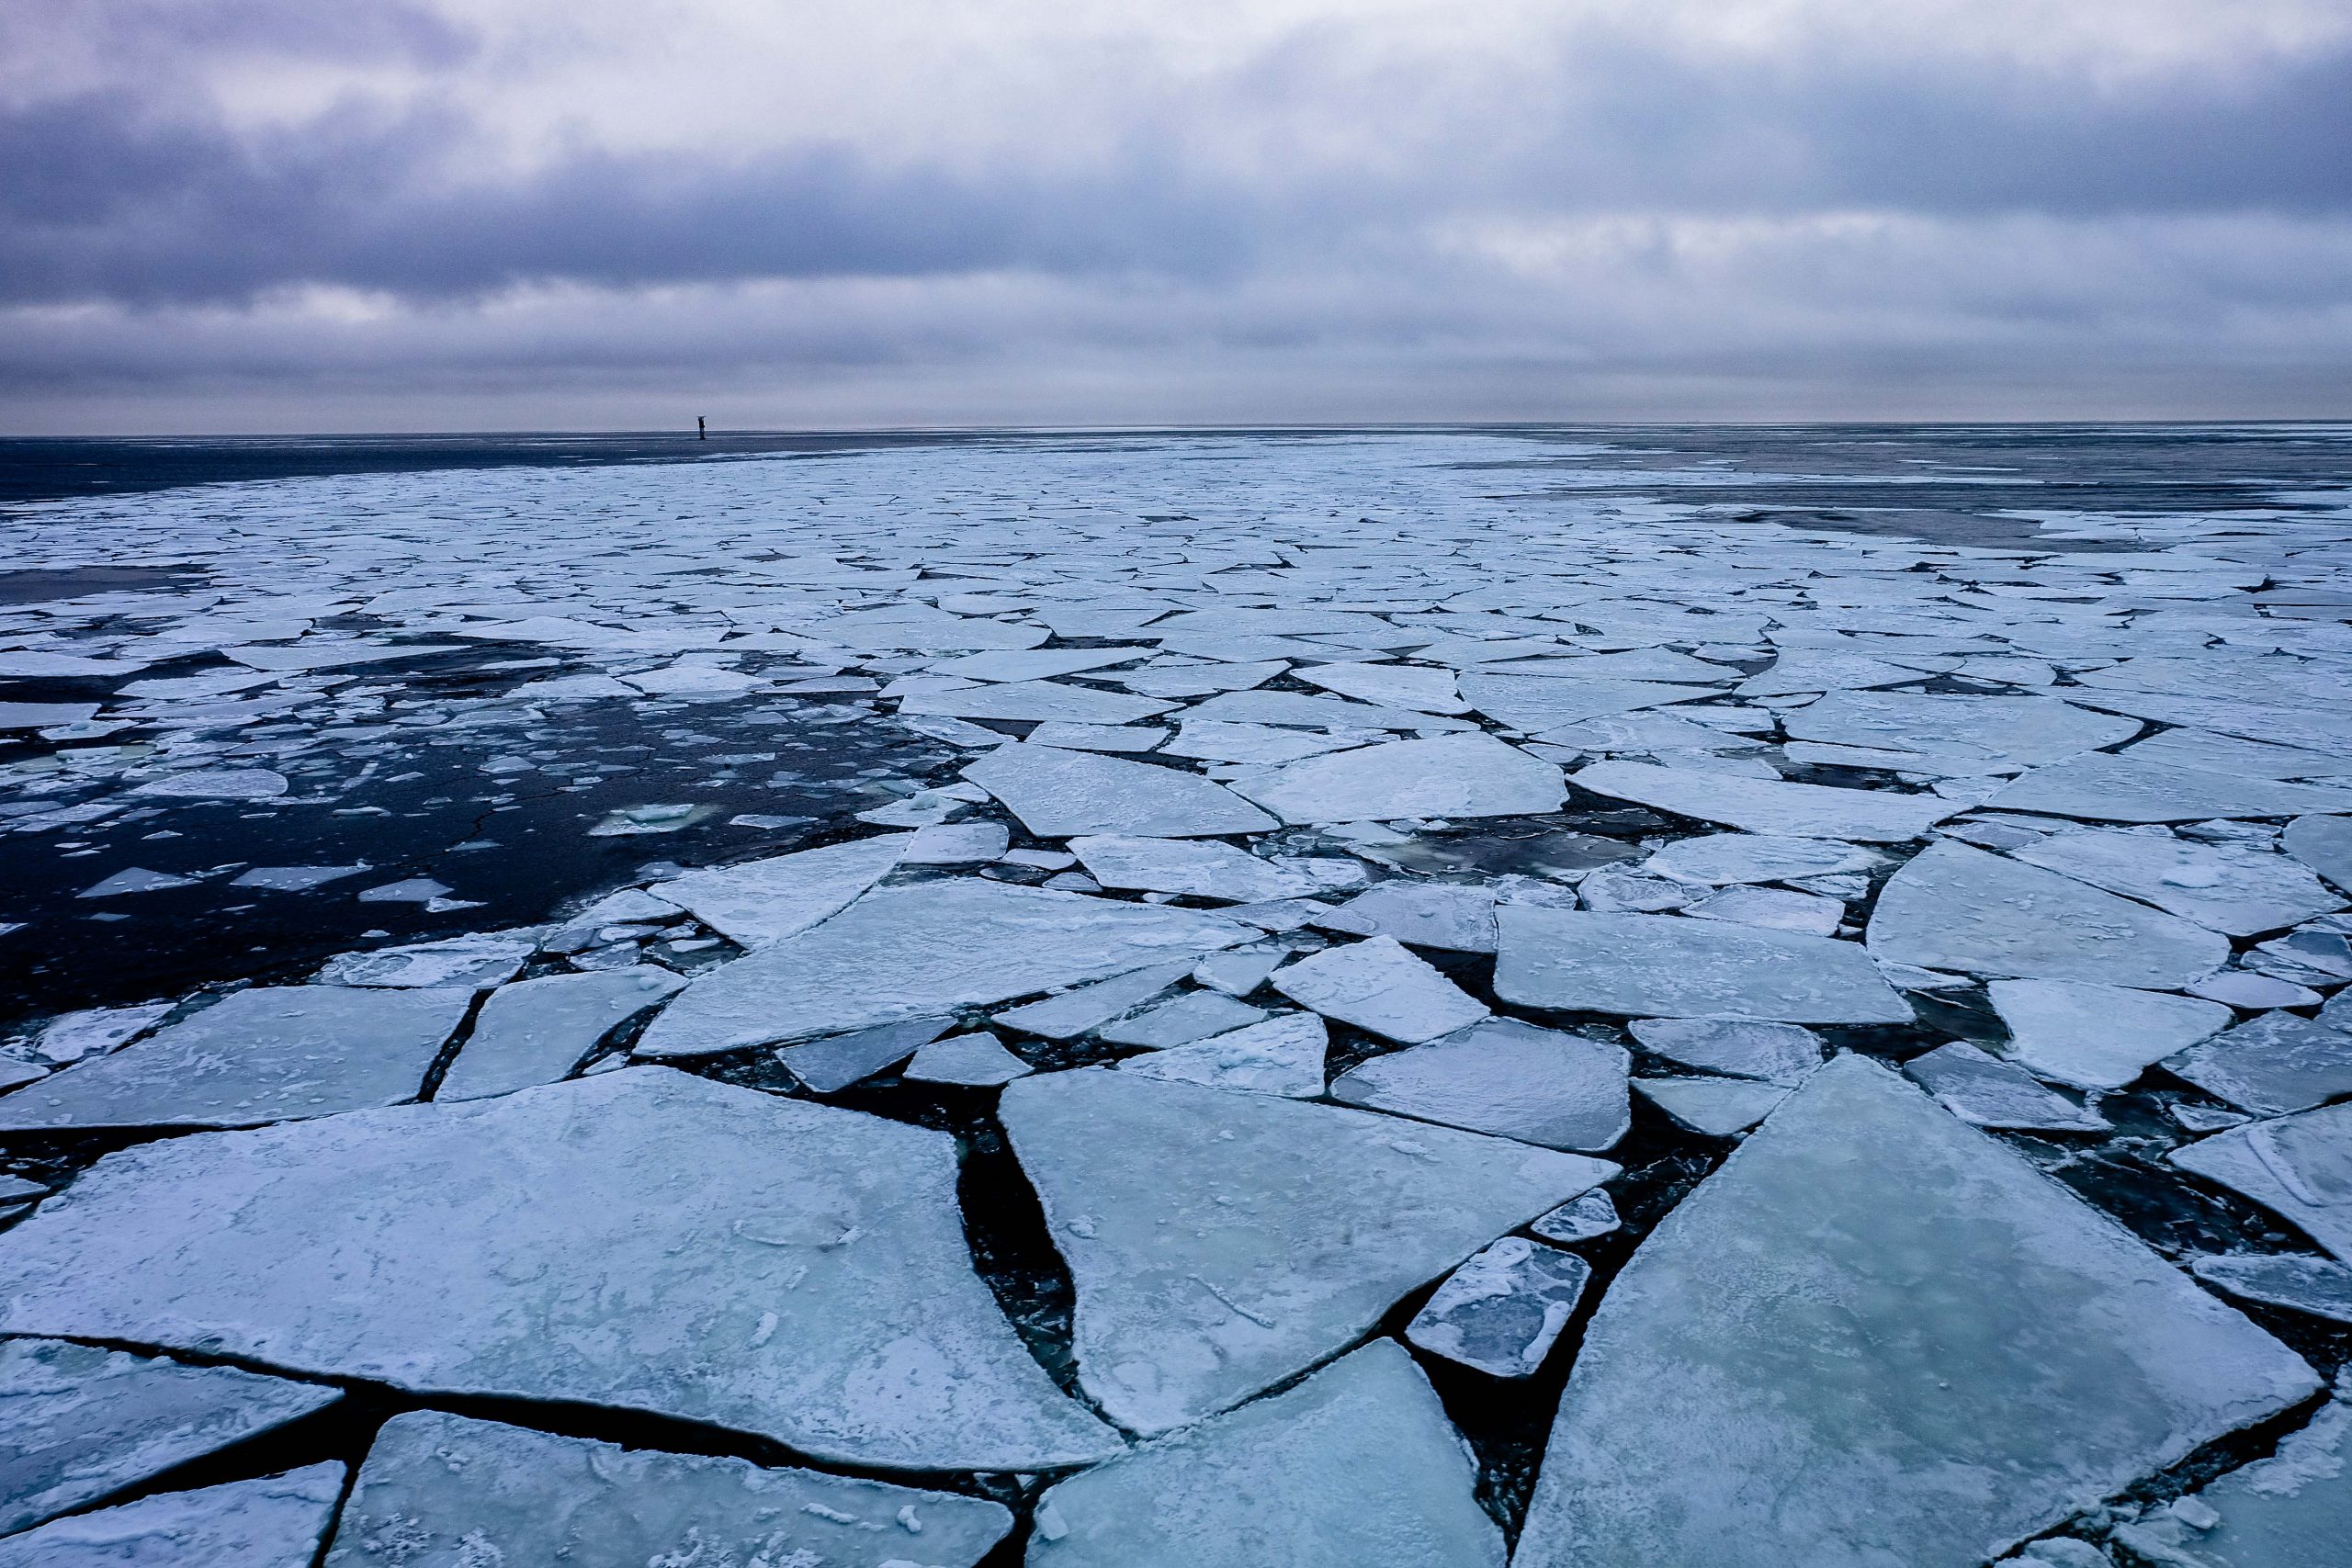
(1083, 1008)
(1211, 742)
(758, 903)
(271, 1054)
(1195, 1015)
(1221, 1241)
(1533, 703)
(2298, 1166)
(2313, 1285)
(1666, 966)
(2093, 1036)
(1058, 794)
(1282, 1055)
(956, 843)
(1238, 972)
(1377, 986)
(2323, 843)
(1740, 1047)
(475, 962)
(970, 1061)
(1197, 868)
(640, 1239)
(2291, 1510)
(1770, 807)
(2275, 1064)
(1443, 915)
(2102, 788)
(2224, 887)
(1051, 700)
(278, 1521)
(1988, 1092)
(1582, 1219)
(1447, 776)
(1953, 906)
(1501, 1312)
(923, 950)
(1776, 909)
(1876, 1335)
(219, 784)
(1420, 687)
(1357, 1467)
(295, 878)
(834, 1063)
(1504, 1078)
(1714, 1108)
(1716, 859)
(78, 1424)
(135, 879)
(439, 1489)
(1962, 734)
(535, 1032)
(93, 1032)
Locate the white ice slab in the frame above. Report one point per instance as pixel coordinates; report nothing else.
(1769, 805)
(439, 1489)
(1058, 794)
(78, 1424)
(1666, 966)
(1447, 776)
(1988, 1092)
(2323, 843)
(1720, 859)
(2291, 1509)
(1221, 1241)
(761, 902)
(277, 1521)
(1443, 915)
(970, 1061)
(1420, 687)
(1501, 1312)
(1504, 1078)
(535, 1032)
(2298, 1166)
(1280, 1056)
(271, 1054)
(1533, 703)
(1202, 869)
(1874, 1336)
(2276, 1063)
(1740, 1048)
(922, 950)
(1377, 986)
(2224, 887)
(476, 963)
(1714, 1107)
(642, 1239)
(1953, 906)
(1053, 701)
(1082, 1007)
(2095, 1036)
(2101, 788)
(1960, 733)
(1357, 1467)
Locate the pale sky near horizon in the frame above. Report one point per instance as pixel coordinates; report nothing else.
(221, 215)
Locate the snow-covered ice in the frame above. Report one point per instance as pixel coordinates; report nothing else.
(2093, 1036)
(1502, 1311)
(1667, 966)
(535, 1032)
(1377, 986)
(1777, 1053)
(1446, 775)
(1058, 794)
(1506, 1077)
(275, 1521)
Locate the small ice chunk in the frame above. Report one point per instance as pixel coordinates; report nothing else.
(272, 1053)
(135, 879)
(1357, 1467)
(1208, 740)
(1736, 1047)
(1085, 1008)
(1613, 891)
(2323, 843)
(2314, 1285)
(1282, 1055)
(833, 1063)
(1666, 966)
(1989, 1092)
(1131, 739)
(1377, 986)
(1501, 1312)
(2298, 1166)
(1425, 688)
(1504, 1078)
(1582, 1219)
(296, 878)
(2240, 988)
(1721, 858)
(1770, 807)
(1060, 794)
(410, 890)
(2093, 1036)
(959, 843)
(1236, 972)
(1196, 1015)
(1448, 775)
(277, 1521)
(1777, 909)
(219, 784)
(535, 1032)
(1953, 907)
(479, 962)
(976, 1060)
(1197, 868)
(1716, 1108)
(2275, 1064)
(761, 902)
(93, 1031)
(2291, 1510)
(78, 1424)
(1442, 915)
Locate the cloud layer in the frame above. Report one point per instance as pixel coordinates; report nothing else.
(518, 213)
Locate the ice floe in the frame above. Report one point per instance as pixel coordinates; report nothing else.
(1060, 794)
(1377, 986)
(1770, 807)
(2093, 1036)
(275, 1521)
(1448, 775)
(535, 1032)
(1740, 1047)
(1506, 1077)
(1502, 1311)
(1667, 966)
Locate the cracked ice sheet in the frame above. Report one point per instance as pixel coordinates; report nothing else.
(760, 902)
(1769, 805)
(1449, 776)
(442, 1489)
(922, 950)
(1221, 1241)
(1667, 966)
(641, 1240)
(1059, 793)
(277, 1521)
(1876, 1336)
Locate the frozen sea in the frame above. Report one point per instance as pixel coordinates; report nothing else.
(1618, 996)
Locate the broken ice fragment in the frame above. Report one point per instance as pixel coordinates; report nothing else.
(1357, 1467)
(1584, 1219)
(93, 1032)
(1506, 1077)
(2323, 843)
(922, 950)
(1741, 1048)
(267, 1054)
(477, 962)
(1281, 1055)
(616, 1241)
(2313, 1285)
(1873, 1336)
(1222, 1242)
(1196, 1015)
(1777, 909)
(959, 843)
(2273, 1065)
(440, 1489)
(834, 1063)
(1770, 806)
(278, 1521)
(295, 878)
(1501, 1312)
(1238, 972)
(1429, 914)
(1714, 1108)
(1378, 986)
(1059, 793)
(1989, 1092)
(2240, 989)
(135, 879)
(2120, 788)
(219, 784)
(536, 1031)
(1084, 1008)
(2224, 887)
(2298, 1166)
(972, 1061)
(78, 1424)
(1953, 907)
(413, 890)
(760, 902)
(1199, 868)
(2093, 1036)
(1449, 776)
(2286, 1511)
(1664, 965)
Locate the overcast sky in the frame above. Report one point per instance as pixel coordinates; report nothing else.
(448, 214)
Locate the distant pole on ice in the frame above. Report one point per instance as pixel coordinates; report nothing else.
(702, 428)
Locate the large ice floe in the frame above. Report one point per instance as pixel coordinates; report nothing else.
(1155, 999)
